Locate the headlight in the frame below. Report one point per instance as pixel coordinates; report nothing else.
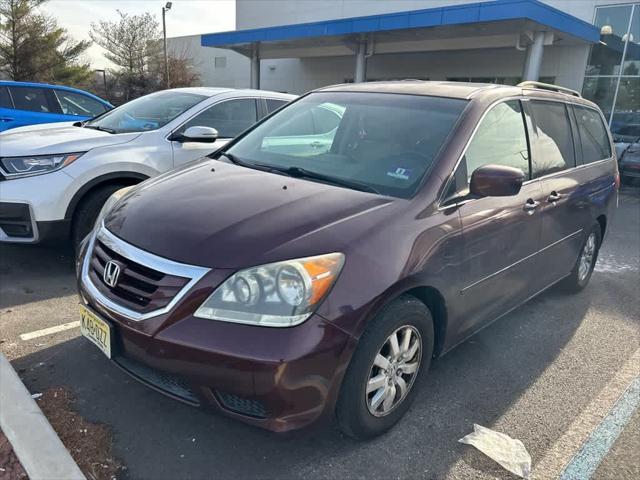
(37, 164)
(110, 203)
(279, 294)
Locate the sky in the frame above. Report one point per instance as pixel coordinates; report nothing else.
(186, 17)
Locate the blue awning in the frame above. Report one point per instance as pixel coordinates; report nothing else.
(534, 12)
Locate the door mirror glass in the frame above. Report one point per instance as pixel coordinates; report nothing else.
(196, 134)
(496, 181)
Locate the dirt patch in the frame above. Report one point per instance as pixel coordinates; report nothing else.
(10, 468)
(89, 443)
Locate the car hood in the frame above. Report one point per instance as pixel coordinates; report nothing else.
(236, 217)
(57, 138)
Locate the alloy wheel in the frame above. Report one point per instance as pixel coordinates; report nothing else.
(394, 370)
(586, 257)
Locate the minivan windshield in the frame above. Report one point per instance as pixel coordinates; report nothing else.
(146, 113)
(377, 142)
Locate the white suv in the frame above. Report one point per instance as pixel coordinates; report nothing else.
(55, 178)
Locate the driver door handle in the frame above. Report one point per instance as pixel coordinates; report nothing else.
(530, 206)
(554, 197)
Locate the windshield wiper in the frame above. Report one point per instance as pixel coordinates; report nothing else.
(299, 172)
(236, 161)
(102, 129)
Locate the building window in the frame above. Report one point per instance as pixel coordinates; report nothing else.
(612, 79)
(220, 62)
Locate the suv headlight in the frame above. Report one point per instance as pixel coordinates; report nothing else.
(36, 164)
(280, 294)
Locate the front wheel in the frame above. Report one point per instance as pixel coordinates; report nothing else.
(392, 355)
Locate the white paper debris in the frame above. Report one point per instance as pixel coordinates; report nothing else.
(35, 396)
(506, 451)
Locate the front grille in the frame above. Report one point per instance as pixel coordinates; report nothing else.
(15, 220)
(166, 382)
(138, 288)
(245, 406)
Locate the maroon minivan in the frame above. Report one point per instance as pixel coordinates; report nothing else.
(315, 265)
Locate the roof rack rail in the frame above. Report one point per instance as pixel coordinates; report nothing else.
(548, 86)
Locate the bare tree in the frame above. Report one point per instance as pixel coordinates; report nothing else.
(33, 47)
(131, 43)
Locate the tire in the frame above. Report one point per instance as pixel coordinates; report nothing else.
(353, 409)
(87, 211)
(578, 279)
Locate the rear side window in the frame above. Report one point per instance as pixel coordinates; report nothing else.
(593, 135)
(5, 99)
(30, 99)
(73, 103)
(273, 105)
(500, 139)
(554, 141)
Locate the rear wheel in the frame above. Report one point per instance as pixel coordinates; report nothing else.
(582, 270)
(392, 356)
(88, 210)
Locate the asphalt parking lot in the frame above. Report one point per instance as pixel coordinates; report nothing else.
(545, 374)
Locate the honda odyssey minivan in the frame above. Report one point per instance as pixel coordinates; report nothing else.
(315, 265)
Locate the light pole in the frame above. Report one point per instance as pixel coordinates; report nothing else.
(165, 9)
(104, 81)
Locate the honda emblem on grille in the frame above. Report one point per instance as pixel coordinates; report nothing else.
(111, 273)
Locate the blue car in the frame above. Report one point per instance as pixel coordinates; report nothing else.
(25, 103)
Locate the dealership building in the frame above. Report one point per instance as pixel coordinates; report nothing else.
(592, 46)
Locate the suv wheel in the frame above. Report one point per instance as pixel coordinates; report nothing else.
(382, 378)
(582, 270)
(88, 210)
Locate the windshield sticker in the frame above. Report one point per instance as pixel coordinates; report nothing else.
(400, 173)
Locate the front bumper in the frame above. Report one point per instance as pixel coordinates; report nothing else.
(275, 378)
(33, 207)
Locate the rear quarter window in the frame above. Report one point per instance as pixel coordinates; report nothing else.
(593, 135)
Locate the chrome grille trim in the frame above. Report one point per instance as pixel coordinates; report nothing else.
(143, 258)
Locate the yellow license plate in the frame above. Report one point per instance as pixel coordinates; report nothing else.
(96, 330)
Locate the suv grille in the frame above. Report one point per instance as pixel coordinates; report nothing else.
(138, 288)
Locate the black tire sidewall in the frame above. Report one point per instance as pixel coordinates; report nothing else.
(85, 215)
(352, 412)
(573, 283)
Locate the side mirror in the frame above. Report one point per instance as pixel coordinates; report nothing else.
(196, 134)
(496, 181)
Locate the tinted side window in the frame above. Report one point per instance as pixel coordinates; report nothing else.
(31, 99)
(77, 104)
(500, 139)
(554, 142)
(273, 105)
(593, 135)
(229, 118)
(5, 99)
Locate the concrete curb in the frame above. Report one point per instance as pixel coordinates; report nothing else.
(34, 441)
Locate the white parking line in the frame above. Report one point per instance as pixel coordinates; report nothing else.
(563, 451)
(49, 331)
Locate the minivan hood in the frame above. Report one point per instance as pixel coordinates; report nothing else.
(55, 138)
(236, 217)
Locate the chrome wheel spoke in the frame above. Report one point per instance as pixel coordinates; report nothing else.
(406, 341)
(376, 382)
(410, 367)
(377, 399)
(402, 385)
(395, 348)
(389, 398)
(381, 362)
(412, 350)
